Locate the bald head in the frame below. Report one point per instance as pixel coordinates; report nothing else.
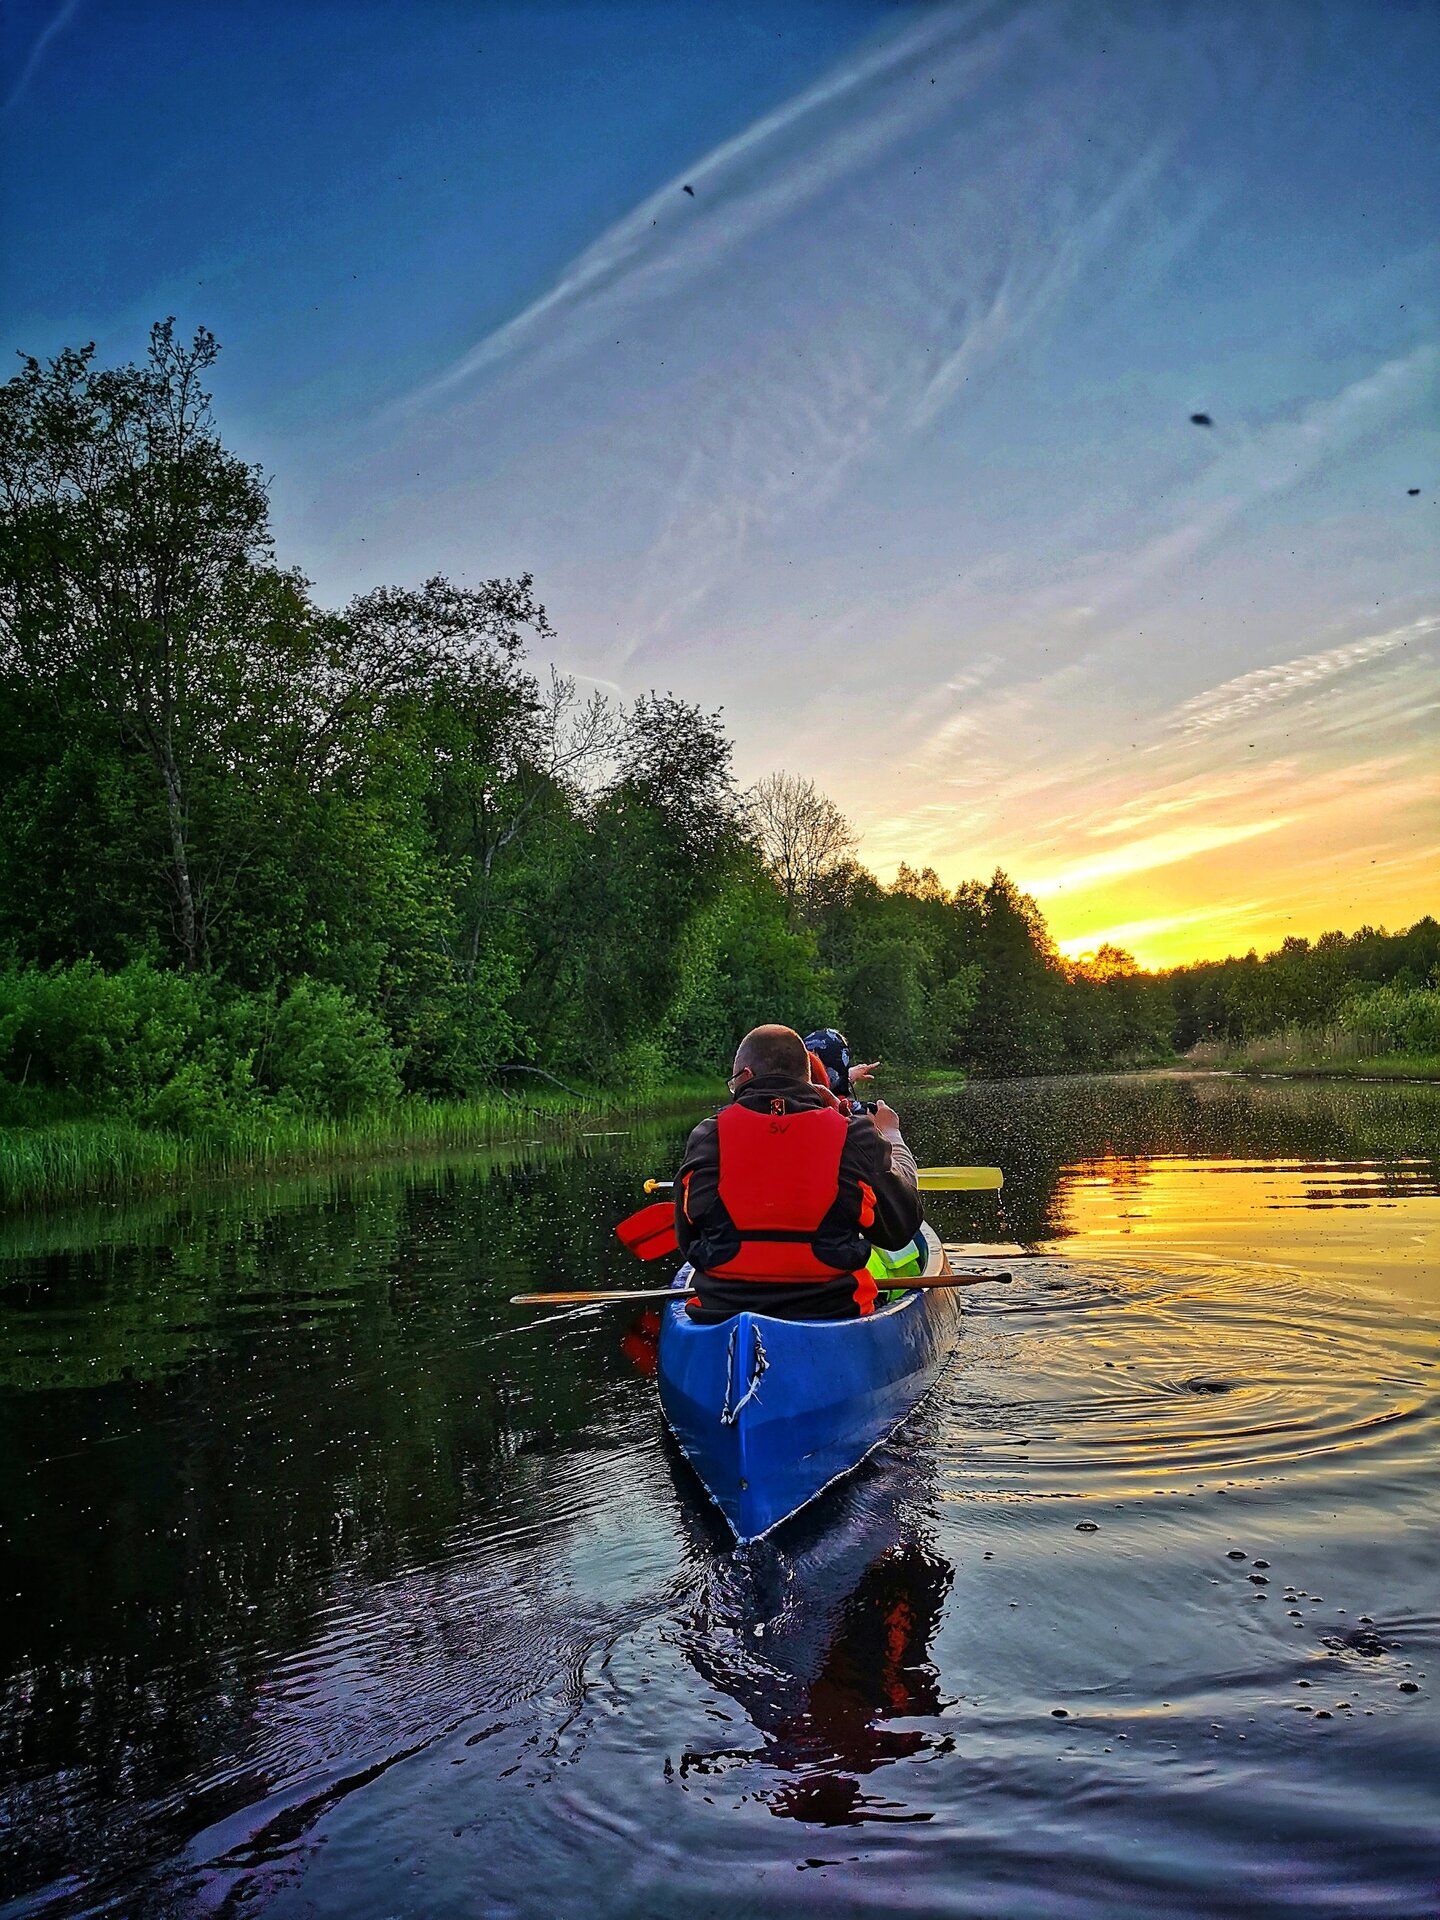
(774, 1053)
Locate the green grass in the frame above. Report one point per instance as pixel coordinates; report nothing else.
(1380, 1066)
(914, 1079)
(68, 1160)
(1330, 1053)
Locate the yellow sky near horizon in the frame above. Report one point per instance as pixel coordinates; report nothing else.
(1289, 800)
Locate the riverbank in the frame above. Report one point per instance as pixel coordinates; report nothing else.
(1272, 1057)
(114, 1158)
(108, 1158)
(1396, 1066)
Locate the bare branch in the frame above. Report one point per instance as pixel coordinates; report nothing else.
(801, 833)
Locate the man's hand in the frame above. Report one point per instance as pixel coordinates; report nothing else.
(887, 1120)
(863, 1073)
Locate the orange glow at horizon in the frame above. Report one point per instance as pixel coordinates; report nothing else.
(1293, 800)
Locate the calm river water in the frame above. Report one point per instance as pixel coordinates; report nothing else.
(333, 1585)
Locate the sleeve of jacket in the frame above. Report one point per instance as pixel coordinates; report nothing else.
(697, 1183)
(898, 1206)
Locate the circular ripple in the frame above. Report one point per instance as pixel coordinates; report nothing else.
(1219, 1367)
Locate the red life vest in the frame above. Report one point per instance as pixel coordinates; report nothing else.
(779, 1179)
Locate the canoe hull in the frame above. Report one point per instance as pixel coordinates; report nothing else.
(770, 1412)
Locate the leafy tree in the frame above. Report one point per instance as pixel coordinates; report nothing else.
(742, 963)
(1112, 1012)
(329, 1055)
(129, 539)
(80, 814)
(656, 847)
(1016, 1024)
(1405, 1019)
(906, 981)
(1300, 985)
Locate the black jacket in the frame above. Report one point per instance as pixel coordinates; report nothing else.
(866, 1156)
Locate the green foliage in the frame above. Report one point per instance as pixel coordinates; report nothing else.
(1114, 1014)
(884, 998)
(902, 960)
(199, 1097)
(327, 1055)
(1301, 985)
(107, 1040)
(1403, 1019)
(743, 962)
(134, 565)
(461, 1031)
(1017, 1025)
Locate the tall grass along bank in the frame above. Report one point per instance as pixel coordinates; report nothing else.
(1322, 1052)
(42, 1166)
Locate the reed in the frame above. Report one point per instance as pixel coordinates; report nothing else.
(68, 1160)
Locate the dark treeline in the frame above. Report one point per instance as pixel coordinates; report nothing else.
(259, 851)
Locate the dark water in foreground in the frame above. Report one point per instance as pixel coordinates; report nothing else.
(333, 1585)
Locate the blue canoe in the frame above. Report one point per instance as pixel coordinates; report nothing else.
(770, 1412)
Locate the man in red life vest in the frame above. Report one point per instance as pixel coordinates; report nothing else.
(781, 1197)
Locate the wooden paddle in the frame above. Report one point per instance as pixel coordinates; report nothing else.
(932, 1180)
(580, 1298)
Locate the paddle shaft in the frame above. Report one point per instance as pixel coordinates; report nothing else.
(915, 1283)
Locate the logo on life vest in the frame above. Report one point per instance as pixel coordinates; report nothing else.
(777, 1104)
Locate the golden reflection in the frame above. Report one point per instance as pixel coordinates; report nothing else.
(1225, 1210)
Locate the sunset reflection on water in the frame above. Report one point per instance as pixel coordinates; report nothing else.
(1220, 1209)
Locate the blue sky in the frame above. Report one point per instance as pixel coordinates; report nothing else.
(881, 436)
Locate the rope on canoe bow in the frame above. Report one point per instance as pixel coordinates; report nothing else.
(758, 1367)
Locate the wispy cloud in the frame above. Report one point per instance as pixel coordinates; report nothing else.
(56, 24)
(1204, 793)
(860, 329)
(650, 252)
(1256, 465)
(1036, 277)
(1131, 933)
(1246, 694)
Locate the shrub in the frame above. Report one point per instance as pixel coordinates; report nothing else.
(1406, 1019)
(460, 1033)
(114, 1038)
(193, 1099)
(328, 1054)
(641, 1065)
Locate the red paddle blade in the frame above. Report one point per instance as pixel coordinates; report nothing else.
(650, 1233)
